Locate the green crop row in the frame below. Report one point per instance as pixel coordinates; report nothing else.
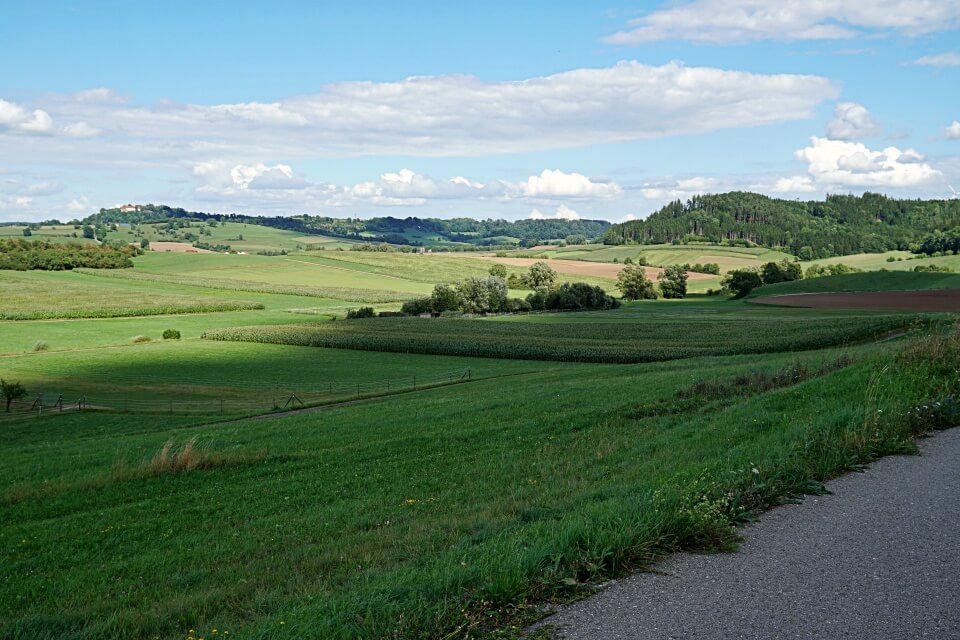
(613, 342)
(346, 294)
(123, 312)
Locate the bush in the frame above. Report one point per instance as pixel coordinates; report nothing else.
(362, 312)
(416, 306)
(138, 339)
(498, 270)
(579, 295)
(740, 282)
(446, 298)
(40, 345)
(171, 334)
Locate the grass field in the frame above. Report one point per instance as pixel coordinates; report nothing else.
(902, 261)
(870, 281)
(64, 233)
(255, 237)
(580, 446)
(380, 520)
(30, 295)
(667, 254)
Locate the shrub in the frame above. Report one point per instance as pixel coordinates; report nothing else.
(171, 334)
(362, 312)
(40, 345)
(740, 282)
(141, 338)
(446, 298)
(499, 271)
(416, 306)
(783, 271)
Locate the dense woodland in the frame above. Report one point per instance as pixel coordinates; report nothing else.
(840, 225)
(394, 230)
(24, 255)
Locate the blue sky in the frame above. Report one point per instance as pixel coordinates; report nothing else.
(493, 110)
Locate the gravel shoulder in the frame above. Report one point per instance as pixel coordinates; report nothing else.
(877, 559)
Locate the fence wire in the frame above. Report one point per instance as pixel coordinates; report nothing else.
(254, 399)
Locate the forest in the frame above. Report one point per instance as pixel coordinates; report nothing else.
(839, 225)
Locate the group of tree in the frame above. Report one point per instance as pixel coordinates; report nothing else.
(839, 225)
(633, 283)
(478, 295)
(25, 255)
(940, 243)
(740, 282)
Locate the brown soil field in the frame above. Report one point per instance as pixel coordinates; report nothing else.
(177, 247)
(582, 268)
(930, 300)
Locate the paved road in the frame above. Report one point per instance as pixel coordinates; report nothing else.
(878, 559)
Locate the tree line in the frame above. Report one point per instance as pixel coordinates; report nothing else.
(839, 225)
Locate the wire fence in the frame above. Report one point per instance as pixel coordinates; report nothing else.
(242, 400)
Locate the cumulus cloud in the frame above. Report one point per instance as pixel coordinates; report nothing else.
(950, 59)
(737, 21)
(16, 119)
(952, 130)
(79, 204)
(837, 162)
(563, 212)
(794, 184)
(850, 122)
(556, 183)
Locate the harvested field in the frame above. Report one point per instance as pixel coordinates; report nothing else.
(932, 300)
(177, 247)
(583, 268)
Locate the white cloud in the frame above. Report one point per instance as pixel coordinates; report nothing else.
(100, 95)
(950, 59)
(851, 121)
(81, 130)
(679, 189)
(436, 116)
(556, 183)
(628, 218)
(836, 162)
(734, 21)
(16, 119)
(794, 184)
(79, 204)
(952, 130)
(563, 212)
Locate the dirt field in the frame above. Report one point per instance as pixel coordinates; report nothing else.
(177, 247)
(581, 268)
(932, 300)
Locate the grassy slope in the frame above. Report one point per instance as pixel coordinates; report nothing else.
(50, 233)
(870, 281)
(667, 254)
(255, 237)
(67, 294)
(410, 518)
(285, 270)
(903, 261)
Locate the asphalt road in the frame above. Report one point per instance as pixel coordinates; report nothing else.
(879, 559)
